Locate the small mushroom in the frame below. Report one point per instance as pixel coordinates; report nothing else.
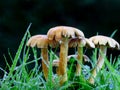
(56, 61)
(102, 42)
(62, 34)
(41, 41)
(80, 43)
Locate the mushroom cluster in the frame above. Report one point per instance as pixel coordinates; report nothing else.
(66, 37)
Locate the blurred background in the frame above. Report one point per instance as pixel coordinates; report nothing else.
(90, 16)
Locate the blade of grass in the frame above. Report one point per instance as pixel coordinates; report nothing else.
(94, 57)
(19, 51)
(113, 33)
(6, 61)
(50, 74)
(11, 58)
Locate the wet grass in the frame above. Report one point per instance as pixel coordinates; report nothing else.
(25, 72)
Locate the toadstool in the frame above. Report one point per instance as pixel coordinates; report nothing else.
(103, 42)
(41, 41)
(62, 34)
(56, 61)
(80, 43)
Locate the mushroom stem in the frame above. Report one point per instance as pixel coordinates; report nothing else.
(44, 54)
(80, 61)
(62, 72)
(101, 58)
(100, 62)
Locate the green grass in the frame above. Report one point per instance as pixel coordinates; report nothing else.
(21, 77)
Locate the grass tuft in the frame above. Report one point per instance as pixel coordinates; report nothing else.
(27, 75)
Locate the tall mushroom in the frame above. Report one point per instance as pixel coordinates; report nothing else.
(102, 42)
(80, 43)
(62, 34)
(41, 41)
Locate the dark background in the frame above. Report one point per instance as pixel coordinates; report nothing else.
(91, 16)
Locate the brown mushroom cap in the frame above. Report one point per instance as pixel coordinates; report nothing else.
(89, 43)
(41, 41)
(105, 41)
(59, 32)
(74, 42)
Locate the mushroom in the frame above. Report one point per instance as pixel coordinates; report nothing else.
(41, 41)
(80, 43)
(56, 61)
(102, 42)
(62, 34)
